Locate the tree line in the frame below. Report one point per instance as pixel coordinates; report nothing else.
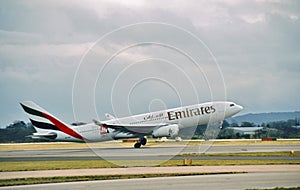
(275, 129)
(19, 131)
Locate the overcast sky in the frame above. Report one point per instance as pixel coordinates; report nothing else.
(81, 59)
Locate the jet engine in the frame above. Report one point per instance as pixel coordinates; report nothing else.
(166, 131)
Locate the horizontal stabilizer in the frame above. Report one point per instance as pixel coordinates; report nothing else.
(51, 135)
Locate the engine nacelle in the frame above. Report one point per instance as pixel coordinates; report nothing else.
(166, 131)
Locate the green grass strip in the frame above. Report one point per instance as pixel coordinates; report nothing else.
(261, 154)
(55, 165)
(231, 162)
(90, 164)
(30, 181)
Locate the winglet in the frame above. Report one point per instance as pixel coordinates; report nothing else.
(97, 122)
(109, 116)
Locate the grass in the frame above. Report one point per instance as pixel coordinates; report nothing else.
(241, 142)
(245, 142)
(55, 165)
(248, 154)
(89, 164)
(41, 146)
(230, 162)
(151, 142)
(29, 181)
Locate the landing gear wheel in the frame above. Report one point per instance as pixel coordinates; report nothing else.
(137, 145)
(143, 141)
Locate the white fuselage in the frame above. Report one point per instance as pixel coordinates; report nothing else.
(187, 116)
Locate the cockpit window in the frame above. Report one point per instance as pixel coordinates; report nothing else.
(231, 105)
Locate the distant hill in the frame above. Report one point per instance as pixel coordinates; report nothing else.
(259, 118)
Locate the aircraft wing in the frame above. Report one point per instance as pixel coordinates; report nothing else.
(143, 129)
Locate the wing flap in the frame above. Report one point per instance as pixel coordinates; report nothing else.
(143, 129)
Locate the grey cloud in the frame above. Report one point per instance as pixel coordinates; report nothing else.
(256, 44)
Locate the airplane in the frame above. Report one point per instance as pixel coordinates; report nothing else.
(164, 123)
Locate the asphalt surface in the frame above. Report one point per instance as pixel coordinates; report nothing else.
(145, 153)
(257, 176)
(22, 159)
(212, 182)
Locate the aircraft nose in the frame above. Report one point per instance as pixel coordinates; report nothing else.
(240, 108)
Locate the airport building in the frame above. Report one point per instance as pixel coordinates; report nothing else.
(245, 130)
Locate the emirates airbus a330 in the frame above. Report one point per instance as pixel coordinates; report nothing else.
(164, 123)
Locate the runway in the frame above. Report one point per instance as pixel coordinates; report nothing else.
(258, 176)
(145, 153)
(213, 182)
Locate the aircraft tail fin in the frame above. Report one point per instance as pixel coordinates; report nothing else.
(42, 120)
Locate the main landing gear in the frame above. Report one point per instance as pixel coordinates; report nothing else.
(142, 141)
